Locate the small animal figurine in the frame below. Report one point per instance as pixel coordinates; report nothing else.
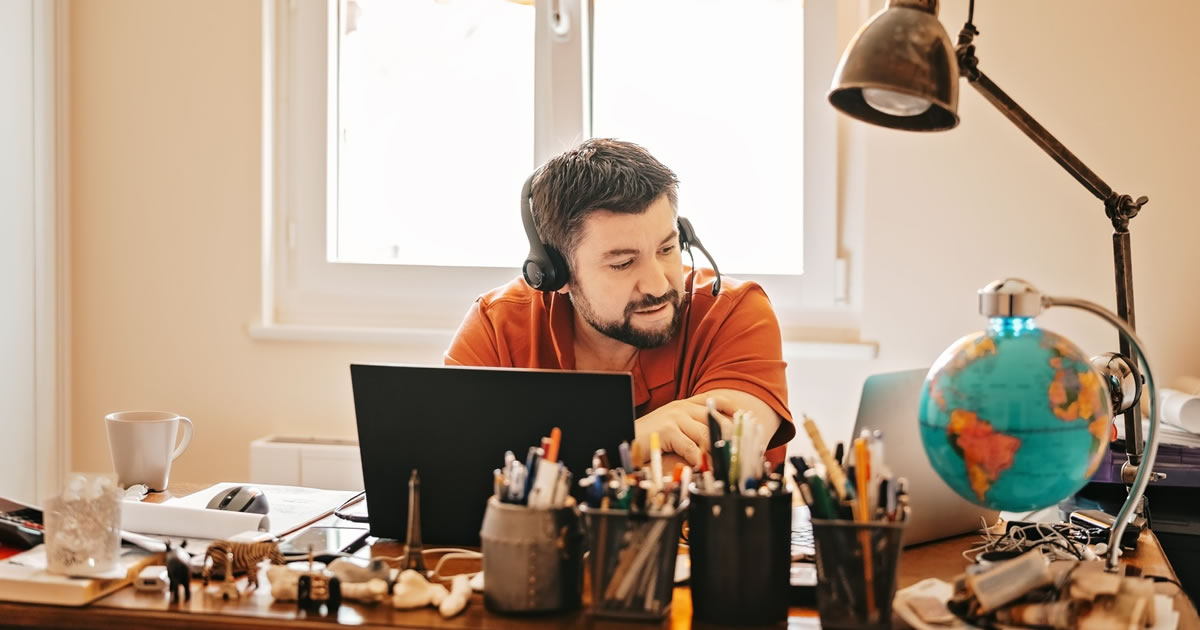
(246, 557)
(179, 572)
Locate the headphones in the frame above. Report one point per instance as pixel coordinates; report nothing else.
(546, 270)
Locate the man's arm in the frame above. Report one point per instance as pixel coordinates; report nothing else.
(742, 366)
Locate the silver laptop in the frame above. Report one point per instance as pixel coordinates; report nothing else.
(890, 403)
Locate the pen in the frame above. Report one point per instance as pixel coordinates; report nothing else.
(735, 452)
(656, 471)
(839, 451)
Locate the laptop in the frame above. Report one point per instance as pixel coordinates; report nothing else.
(453, 424)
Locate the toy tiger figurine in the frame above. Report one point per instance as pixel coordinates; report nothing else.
(246, 557)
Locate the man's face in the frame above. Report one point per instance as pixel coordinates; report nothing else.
(627, 275)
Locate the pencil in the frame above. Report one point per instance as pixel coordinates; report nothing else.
(837, 478)
(863, 516)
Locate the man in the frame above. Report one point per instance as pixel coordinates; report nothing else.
(609, 209)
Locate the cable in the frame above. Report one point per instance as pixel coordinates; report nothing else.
(353, 518)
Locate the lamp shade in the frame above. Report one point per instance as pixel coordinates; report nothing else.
(900, 70)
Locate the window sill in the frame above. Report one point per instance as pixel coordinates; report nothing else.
(793, 350)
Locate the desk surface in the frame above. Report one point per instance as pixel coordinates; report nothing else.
(134, 610)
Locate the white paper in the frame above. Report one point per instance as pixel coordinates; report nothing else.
(167, 519)
(35, 558)
(1180, 409)
(291, 507)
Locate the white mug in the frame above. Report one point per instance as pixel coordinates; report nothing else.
(142, 444)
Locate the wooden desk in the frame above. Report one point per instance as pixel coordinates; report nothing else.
(134, 610)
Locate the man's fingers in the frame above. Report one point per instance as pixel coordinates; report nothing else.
(684, 445)
(696, 431)
(690, 452)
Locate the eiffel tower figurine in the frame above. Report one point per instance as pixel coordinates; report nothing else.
(414, 557)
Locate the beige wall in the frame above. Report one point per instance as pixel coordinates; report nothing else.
(166, 220)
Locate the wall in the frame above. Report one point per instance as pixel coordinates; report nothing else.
(166, 222)
(17, 257)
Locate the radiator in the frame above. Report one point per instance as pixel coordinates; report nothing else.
(311, 462)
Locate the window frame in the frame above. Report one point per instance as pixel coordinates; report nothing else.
(302, 291)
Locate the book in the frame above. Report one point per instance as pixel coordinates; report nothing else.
(23, 578)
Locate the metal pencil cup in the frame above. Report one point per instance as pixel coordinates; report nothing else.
(854, 590)
(631, 561)
(532, 558)
(741, 558)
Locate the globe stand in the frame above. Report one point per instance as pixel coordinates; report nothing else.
(1014, 297)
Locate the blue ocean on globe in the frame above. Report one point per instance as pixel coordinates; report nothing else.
(1015, 418)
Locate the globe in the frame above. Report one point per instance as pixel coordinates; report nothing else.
(1015, 418)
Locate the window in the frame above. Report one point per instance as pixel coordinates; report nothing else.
(398, 135)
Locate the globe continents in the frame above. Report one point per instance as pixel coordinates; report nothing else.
(1014, 418)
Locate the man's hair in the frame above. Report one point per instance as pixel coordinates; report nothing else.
(600, 174)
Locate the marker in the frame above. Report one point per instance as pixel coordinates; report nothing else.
(626, 460)
(822, 501)
(555, 441)
(656, 470)
(720, 461)
(714, 426)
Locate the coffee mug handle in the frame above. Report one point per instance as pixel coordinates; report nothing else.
(187, 437)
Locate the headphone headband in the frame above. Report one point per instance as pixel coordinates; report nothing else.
(546, 270)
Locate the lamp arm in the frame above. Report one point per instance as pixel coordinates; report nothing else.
(1145, 468)
(1038, 134)
(1119, 208)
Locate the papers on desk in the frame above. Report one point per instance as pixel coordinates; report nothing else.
(291, 508)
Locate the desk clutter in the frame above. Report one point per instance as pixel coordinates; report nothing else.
(617, 532)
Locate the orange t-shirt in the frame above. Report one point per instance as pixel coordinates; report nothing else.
(733, 342)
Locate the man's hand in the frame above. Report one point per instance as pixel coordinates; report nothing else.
(682, 427)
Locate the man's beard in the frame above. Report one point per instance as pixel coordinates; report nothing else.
(624, 330)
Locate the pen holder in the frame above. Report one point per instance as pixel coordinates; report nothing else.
(852, 591)
(740, 549)
(532, 558)
(631, 561)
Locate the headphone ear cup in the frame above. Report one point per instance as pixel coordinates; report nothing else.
(558, 270)
(545, 273)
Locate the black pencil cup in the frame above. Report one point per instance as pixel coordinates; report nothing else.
(631, 561)
(532, 558)
(740, 549)
(856, 572)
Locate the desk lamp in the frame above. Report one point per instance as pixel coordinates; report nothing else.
(901, 71)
